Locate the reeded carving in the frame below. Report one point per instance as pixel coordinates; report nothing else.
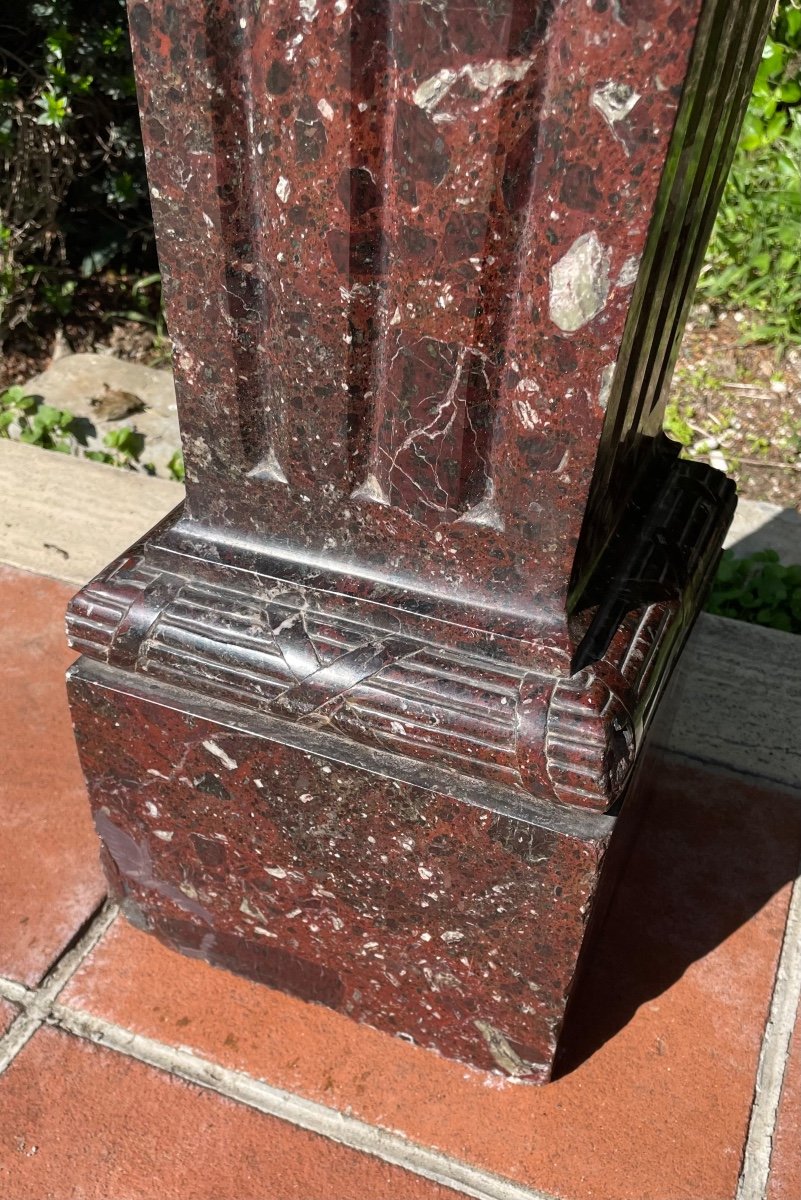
(313, 660)
(578, 737)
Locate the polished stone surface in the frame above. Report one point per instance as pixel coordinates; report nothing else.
(404, 248)
(359, 719)
(453, 924)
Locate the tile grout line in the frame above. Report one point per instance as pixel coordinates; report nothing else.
(386, 1145)
(37, 1002)
(15, 993)
(393, 1148)
(40, 1007)
(784, 1006)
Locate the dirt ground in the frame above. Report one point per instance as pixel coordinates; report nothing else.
(97, 322)
(732, 404)
(736, 406)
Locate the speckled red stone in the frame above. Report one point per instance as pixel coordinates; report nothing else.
(454, 925)
(400, 245)
(426, 267)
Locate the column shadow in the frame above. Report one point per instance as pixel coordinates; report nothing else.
(709, 850)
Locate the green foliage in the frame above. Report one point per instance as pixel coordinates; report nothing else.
(675, 423)
(73, 192)
(125, 448)
(25, 418)
(29, 419)
(754, 256)
(146, 309)
(176, 466)
(759, 589)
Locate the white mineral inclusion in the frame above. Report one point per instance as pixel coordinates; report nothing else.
(526, 414)
(485, 77)
(614, 101)
(579, 283)
(282, 189)
(218, 752)
(629, 272)
(428, 95)
(607, 375)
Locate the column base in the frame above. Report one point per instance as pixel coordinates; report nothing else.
(453, 922)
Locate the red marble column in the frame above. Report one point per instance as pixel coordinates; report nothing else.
(357, 718)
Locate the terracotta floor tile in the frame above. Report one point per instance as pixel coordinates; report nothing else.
(80, 1121)
(50, 880)
(664, 1037)
(785, 1163)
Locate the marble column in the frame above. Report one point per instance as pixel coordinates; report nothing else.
(359, 718)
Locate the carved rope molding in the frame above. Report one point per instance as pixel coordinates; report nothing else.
(306, 657)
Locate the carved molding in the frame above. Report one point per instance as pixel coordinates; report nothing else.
(366, 672)
(314, 659)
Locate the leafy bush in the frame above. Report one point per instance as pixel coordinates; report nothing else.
(759, 589)
(754, 256)
(73, 192)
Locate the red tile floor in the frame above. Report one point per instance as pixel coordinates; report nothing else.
(129, 1072)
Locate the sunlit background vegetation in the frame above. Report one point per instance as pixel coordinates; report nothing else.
(76, 241)
(73, 193)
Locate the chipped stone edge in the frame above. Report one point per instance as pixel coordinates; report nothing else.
(784, 1009)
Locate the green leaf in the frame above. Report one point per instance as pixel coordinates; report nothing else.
(146, 281)
(775, 127)
(15, 396)
(176, 466)
(49, 417)
(126, 441)
(54, 109)
(758, 588)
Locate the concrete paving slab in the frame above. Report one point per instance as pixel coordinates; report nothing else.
(735, 700)
(68, 517)
(761, 526)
